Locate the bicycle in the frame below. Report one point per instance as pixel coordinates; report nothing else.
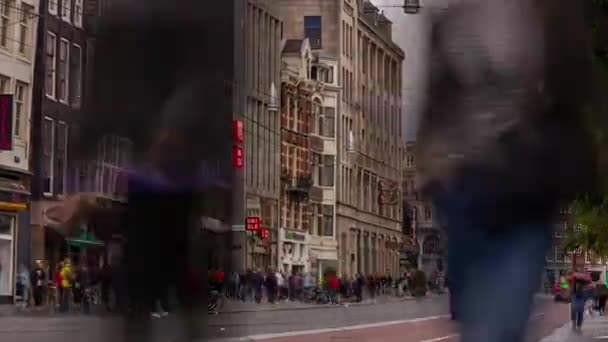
(216, 302)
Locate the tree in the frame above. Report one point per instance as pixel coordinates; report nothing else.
(589, 231)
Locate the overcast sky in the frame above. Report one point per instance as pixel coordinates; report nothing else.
(410, 32)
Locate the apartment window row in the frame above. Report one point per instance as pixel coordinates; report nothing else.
(70, 11)
(63, 70)
(21, 94)
(54, 156)
(361, 189)
(16, 27)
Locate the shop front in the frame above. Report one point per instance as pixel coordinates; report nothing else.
(323, 257)
(14, 224)
(293, 249)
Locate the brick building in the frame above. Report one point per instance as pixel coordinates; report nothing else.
(298, 90)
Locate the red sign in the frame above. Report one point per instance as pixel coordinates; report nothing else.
(253, 223)
(237, 157)
(6, 122)
(237, 131)
(264, 233)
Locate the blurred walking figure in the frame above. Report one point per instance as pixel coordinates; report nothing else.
(508, 81)
(38, 279)
(602, 294)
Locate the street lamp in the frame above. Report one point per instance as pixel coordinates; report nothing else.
(411, 6)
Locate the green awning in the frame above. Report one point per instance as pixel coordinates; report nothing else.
(85, 239)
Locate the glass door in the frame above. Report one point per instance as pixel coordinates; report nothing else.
(6, 254)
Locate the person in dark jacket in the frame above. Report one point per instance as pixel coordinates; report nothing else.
(38, 280)
(508, 81)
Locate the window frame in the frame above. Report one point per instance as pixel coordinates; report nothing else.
(53, 72)
(52, 7)
(65, 143)
(78, 11)
(78, 83)
(314, 45)
(64, 97)
(66, 11)
(24, 42)
(20, 116)
(6, 10)
(51, 165)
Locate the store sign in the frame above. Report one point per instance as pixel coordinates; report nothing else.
(264, 233)
(6, 122)
(253, 223)
(237, 131)
(237, 157)
(294, 236)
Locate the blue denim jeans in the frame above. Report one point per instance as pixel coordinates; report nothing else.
(494, 267)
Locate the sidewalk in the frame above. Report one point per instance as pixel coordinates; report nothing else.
(595, 328)
(230, 307)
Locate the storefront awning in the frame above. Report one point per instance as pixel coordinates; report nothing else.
(84, 239)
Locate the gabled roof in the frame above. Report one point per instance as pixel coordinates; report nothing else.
(293, 45)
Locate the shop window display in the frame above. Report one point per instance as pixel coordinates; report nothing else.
(6, 255)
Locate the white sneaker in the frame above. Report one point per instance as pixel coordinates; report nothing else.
(155, 315)
(164, 314)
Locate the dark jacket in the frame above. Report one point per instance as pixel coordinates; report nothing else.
(508, 82)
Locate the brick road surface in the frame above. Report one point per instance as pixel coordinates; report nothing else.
(547, 317)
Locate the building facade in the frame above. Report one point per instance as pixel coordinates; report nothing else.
(260, 100)
(367, 68)
(57, 100)
(19, 21)
(297, 90)
(427, 231)
(558, 262)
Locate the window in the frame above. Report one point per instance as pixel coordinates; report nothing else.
(325, 169)
(559, 253)
(75, 74)
(62, 157)
(66, 9)
(48, 155)
(4, 84)
(312, 31)
(21, 100)
(53, 7)
(329, 122)
(78, 13)
(6, 8)
(51, 61)
(428, 213)
(64, 56)
(24, 29)
(325, 220)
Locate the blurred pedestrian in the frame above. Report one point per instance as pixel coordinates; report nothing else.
(508, 82)
(38, 279)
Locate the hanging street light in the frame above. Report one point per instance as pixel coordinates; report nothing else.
(411, 6)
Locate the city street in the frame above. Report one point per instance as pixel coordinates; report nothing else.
(409, 321)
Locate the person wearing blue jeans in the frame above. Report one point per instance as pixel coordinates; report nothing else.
(508, 81)
(491, 262)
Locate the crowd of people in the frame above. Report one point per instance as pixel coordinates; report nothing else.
(327, 288)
